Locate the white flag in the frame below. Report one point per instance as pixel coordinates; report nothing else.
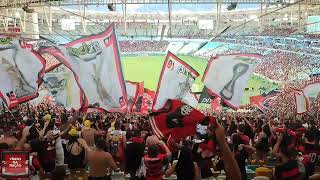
(95, 62)
(226, 76)
(132, 93)
(300, 102)
(175, 82)
(305, 98)
(21, 71)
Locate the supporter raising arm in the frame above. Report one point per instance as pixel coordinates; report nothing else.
(230, 164)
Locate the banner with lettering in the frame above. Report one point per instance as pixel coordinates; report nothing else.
(21, 71)
(175, 82)
(95, 63)
(226, 76)
(15, 164)
(205, 97)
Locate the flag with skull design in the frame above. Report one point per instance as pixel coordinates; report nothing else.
(226, 76)
(175, 82)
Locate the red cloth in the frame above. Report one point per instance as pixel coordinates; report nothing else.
(154, 166)
(179, 121)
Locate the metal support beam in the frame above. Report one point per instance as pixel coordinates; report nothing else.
(49, 19)
(124, 11)
(170, 20)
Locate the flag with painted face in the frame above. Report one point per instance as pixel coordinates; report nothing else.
(226, 76)
(63, 87)
(306, 97)
(21, 71)
(95, 63)
(175, 82)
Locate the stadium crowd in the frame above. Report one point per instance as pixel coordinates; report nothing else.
(101, 145)
(143, 46)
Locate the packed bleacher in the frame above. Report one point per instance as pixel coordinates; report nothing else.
(143, 46)
(117, 146)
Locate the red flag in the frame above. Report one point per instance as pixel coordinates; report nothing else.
(216, 105)
(147, 101)
(176, 119)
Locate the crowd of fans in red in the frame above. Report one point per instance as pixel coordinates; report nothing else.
(104, 143)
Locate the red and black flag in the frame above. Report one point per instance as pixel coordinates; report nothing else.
(176, 119)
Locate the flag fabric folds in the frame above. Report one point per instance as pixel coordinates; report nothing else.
(306, 97)
(226, 76)
(176, 120)
(263, 101)
(147, 101)
(301, 102)
(205, 97)
(175, 82)
(95, 63)
(21, 71)
(132, 93)
(63, 87)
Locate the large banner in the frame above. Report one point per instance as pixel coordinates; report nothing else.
(306, 97)
(95, 63)
(21, 71)
(15, 164)
(226, 76)
(175, 82)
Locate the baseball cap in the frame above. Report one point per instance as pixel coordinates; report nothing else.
(87, 124)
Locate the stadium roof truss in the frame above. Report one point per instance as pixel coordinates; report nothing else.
(22, 3)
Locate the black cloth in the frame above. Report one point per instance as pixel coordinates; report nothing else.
(241, 157)
(75, 161)
(290, 170)
(99, 178)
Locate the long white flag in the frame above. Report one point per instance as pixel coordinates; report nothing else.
(95, 62)
(175, 82)
(305, 98)
(226, 76)
(21, 71)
